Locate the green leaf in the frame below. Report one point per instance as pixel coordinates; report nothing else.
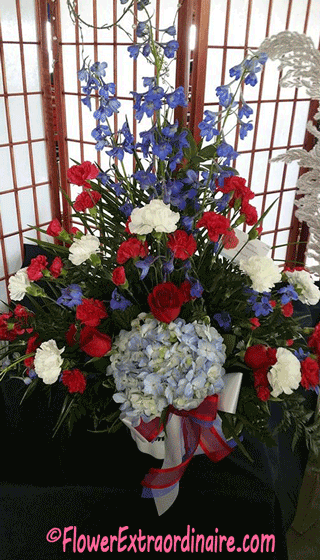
(230, 342)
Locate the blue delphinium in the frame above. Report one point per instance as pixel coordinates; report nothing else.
(170, 48)
(301, 355)
(207, 126)
(176, 98)
(288, 293)
(225, 96)
(224, 320)
(118, 301)
(70, 296)
(262, 307)
(145, 179)
(144, 265)
(244, 129)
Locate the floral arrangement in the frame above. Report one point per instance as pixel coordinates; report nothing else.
(156, 298)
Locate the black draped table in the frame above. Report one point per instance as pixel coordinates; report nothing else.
(88, 485)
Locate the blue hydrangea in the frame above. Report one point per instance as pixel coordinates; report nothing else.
(155, 365)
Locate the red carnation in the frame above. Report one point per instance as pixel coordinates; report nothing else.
(185, 289)
(54, 228)
(259, 356)
(7, 332)
(256, 356)
(21, 311)
(261, 377)
(250, 213)
(71, 335)
(131, 249)
(314, 339)
(263, 393)
(165, 302)
(230, 240)
(74, 230)
(32, 345)
(215, 224)
(81, 174)
(255, 323)
(56, 267)
(91, 311)
(287, 309)
(74, 380)
(86, 199)
(239, 188)
(119, 276)
(94, 343)
(37, 265)
(310, 373)
(127, 225)
(181, 244)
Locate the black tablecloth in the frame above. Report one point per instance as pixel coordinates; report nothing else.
(92, 482)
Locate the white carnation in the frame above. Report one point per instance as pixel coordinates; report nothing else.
(48, 361)
(310, 293)
(262, 271)
(18, 285)
(155, 216)
(81, 249)
(285, 374)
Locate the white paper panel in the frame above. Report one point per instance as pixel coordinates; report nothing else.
(8, 213)
(6, 182)
(22, 165)
(217, 13)
(281, 136)
(300, 121)
(36, 116)
(3, 297)
(266, 115)
(17, 118)
(260, 166)
(287, 208)
(237, 23)
(44, 208)
(313, 27)
(282, 238)
(12, 247)
(278, 17)
(72, 116)
(32, 67)
(40, 162)
(298, 15)
(258, 22)
(28, 17)
(26, 204)
(105, 11)
(13, 70)
(70, 69)
(3, 127)
(125, 79)
(9, 24)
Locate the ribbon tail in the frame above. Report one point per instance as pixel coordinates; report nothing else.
(164, 483)
(216, 447)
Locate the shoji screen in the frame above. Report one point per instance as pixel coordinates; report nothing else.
(25, 198)
(280, 115)
(94, 40)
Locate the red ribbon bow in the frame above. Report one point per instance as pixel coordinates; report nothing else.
(197, 429)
